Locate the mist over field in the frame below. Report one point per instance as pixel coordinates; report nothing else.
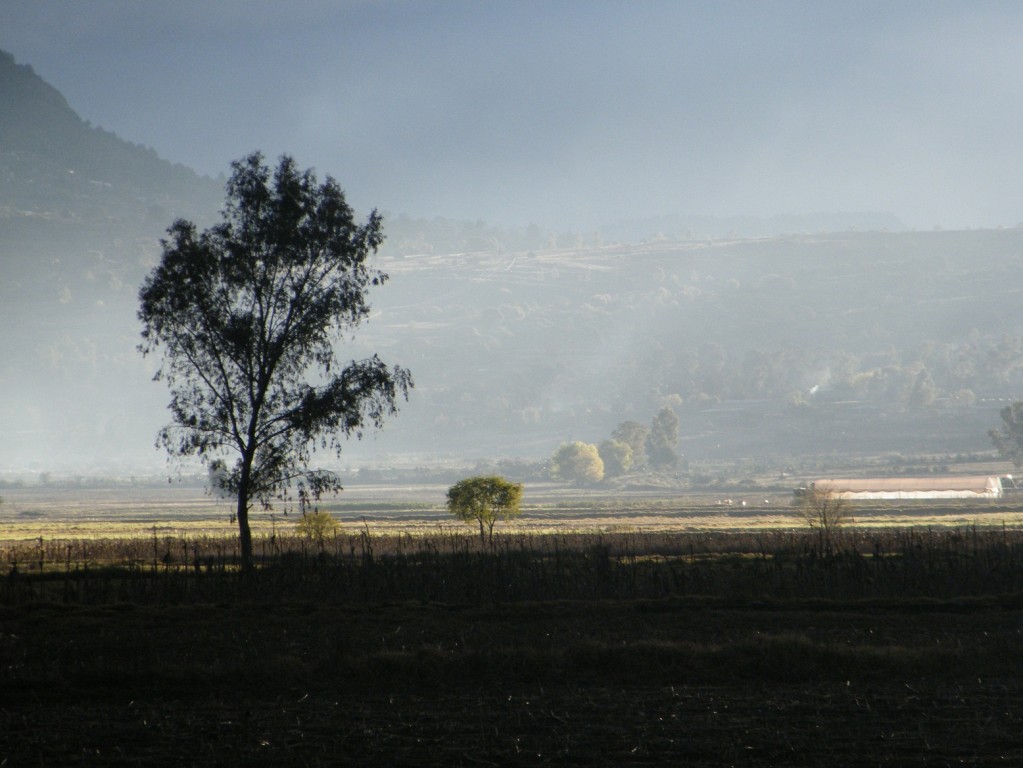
(794, 224)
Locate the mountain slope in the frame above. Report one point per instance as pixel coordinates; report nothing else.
(81, 214)
(52, 161)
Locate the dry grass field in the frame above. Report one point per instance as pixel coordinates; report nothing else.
(185, 510)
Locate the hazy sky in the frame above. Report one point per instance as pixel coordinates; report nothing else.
(571, 112)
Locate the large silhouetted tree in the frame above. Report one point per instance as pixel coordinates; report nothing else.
(247, 315)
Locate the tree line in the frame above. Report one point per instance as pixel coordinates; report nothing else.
(632, 447)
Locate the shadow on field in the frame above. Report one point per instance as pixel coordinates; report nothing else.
(704, 649)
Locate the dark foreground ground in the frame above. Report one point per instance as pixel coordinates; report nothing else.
(694, 681)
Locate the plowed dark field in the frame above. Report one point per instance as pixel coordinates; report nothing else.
(688, 681)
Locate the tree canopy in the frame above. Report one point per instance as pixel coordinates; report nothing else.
(317, 525)
(633, 434)
(617, 457)
(662, 440)
(1008, 438)
(577, 462)
(247, 315)
(485, 500)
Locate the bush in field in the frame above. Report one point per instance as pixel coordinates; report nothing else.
(577, 463)
(825, 512)
(485, 500)
(317, 525)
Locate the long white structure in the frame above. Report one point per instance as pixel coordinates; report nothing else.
(953, 487)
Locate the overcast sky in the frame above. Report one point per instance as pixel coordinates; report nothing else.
(567, 113)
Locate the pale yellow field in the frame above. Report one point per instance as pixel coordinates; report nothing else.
(175, 510)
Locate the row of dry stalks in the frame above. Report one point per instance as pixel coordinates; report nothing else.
(453, 567)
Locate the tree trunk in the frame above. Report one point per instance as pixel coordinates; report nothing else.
(244, 532)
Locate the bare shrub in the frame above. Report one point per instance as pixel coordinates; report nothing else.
(825, 512)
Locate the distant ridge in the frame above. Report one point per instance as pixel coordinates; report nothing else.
(696, 227)
(51, 160)
(81, 210)
(30, 103)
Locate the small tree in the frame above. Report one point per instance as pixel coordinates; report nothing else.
(825, 512)
(633, 434)
(617, 457)
(923, 392)
(485, 500)
(317, 526)
(1009, 438)
(247, 315)
(662, 441)
(577, 463)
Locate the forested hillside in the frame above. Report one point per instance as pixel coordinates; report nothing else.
(872, 341)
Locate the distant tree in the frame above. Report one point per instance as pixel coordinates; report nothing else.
(485, 500)
(633, 434)
(247, 315)
(577, 463)
(662, 441)
(825, 512)
(1009, 438)
(923, 392)
(617, 457)
(317, 525)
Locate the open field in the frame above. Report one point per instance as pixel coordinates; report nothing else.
(632, 630)
(179, 510)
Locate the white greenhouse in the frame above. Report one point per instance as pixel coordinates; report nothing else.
(948, 487)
